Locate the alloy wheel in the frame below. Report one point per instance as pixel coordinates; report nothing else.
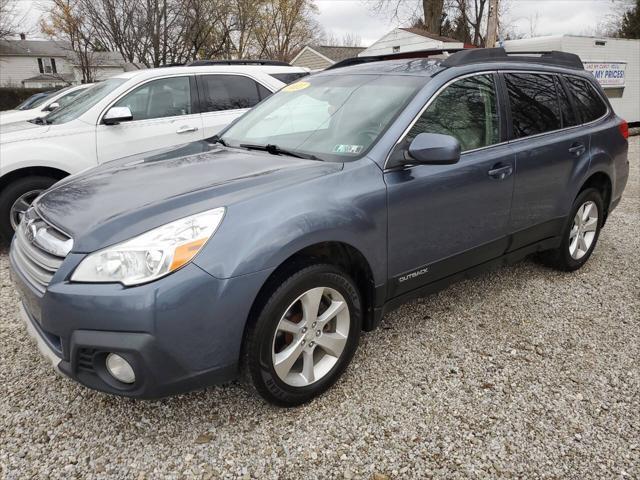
(583, 230)
(20, 206)
(311, 336)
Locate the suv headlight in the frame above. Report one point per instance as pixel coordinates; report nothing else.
(151, 255)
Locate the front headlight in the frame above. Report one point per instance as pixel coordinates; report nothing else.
(151, 255)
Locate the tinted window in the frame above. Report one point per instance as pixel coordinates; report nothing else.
(289, 77)
(566, 110)
(263, 92)
(534, 106)
(227, 92)
(166, 97)
(589, 104)
(466, 110)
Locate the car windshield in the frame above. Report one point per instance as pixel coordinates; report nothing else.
(84, 102)
(36, 100)
(330, 117)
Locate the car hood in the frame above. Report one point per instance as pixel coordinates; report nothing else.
(17, 130)
(19, 115)
(126, 197)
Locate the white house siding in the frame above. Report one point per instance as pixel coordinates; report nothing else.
(310, 60)
(407, 41)
(626, 105)
(14, 69)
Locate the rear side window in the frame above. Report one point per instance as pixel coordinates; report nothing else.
(289, 77)
(589, 104)
(566, 110)
(228, 92)
(534, 105)
(466, 110)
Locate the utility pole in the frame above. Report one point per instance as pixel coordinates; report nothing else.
(492, 24)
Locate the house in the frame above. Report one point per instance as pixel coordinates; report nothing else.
(47, 64)
(615, 62)
(403, 40)
(319, 57)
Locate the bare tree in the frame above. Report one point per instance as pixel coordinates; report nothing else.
(65, 23)
(9, 22)
(347, 40)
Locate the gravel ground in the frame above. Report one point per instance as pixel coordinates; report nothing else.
(524, 372)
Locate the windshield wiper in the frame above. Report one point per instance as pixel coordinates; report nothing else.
(217, 139)
(276, 150)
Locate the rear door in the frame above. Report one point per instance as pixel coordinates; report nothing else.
(446, 218)
(225, 97)
(551, 153)
(164, 115)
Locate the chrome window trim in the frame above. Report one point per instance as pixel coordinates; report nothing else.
(507, 142)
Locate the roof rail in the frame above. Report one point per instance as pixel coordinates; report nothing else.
(200, 63)
(481, 55)
(389, 56)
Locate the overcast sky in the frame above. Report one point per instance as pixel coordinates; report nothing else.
(340, 17)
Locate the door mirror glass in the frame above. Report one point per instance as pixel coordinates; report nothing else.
(51, 107)
(434, 149)
(115, 115)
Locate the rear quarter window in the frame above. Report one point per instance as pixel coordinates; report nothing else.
(289, 77)
(588, 103)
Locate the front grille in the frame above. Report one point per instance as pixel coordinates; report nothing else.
(85, 359)
(39, 249)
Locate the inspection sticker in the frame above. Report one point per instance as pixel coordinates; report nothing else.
(294, 87)
(340, 148)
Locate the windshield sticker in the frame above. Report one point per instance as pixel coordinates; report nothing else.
(353, 149)
(294, 87)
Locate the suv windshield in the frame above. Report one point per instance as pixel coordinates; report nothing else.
(331, 117)
(84, 102)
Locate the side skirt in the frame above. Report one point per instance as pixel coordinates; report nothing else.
(508, 258)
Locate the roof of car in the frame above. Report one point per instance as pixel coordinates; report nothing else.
(158, 72)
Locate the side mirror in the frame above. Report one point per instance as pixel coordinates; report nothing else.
(434, 149)
(51, 107)
(115, 115)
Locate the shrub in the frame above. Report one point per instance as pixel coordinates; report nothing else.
(11, 97)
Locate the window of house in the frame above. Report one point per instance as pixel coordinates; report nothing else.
(228, 92)
(466, 110)
(47, 65)
(589, 104)
(534, 104)
(165, 97)
(395, 48)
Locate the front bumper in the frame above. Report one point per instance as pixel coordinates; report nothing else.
(179, 333)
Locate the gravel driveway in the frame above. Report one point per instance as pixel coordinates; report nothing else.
(524, 372)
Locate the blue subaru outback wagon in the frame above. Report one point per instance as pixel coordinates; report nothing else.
(267, 249)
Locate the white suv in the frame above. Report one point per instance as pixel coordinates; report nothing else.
(44, 105)
(130, 113)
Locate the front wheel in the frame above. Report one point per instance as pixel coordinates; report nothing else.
(305, 335)
(580, 233)
(16, 198)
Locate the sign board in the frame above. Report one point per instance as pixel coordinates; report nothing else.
(609, 75)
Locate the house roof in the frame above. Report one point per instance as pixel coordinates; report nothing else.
(43, 77)
(432, 36)
(32, 48)
(336, 54)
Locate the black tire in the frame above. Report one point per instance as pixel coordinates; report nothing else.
(561, 258)
(12, 192)
(259, 340)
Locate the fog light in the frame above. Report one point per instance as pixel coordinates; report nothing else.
(120, 369)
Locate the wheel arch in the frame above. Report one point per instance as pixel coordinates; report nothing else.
(601, 181)
(340, 254)
(25, 172)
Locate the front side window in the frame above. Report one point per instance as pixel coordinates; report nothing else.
(466, 110)
(589, 104)
(332, 117)
(229, 92)
(165, 97)
(534, 104)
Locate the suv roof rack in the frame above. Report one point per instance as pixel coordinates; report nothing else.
(389, 56)
(200, 63)
(481, 55)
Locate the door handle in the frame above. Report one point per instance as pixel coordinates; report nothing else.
(500, 172)
(577, 149)
(186, 129)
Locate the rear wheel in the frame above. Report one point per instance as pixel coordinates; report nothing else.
(16, 198)
(305, 335)
(580, 233)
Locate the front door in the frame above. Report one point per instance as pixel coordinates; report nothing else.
(162, 117)
(446, 218)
